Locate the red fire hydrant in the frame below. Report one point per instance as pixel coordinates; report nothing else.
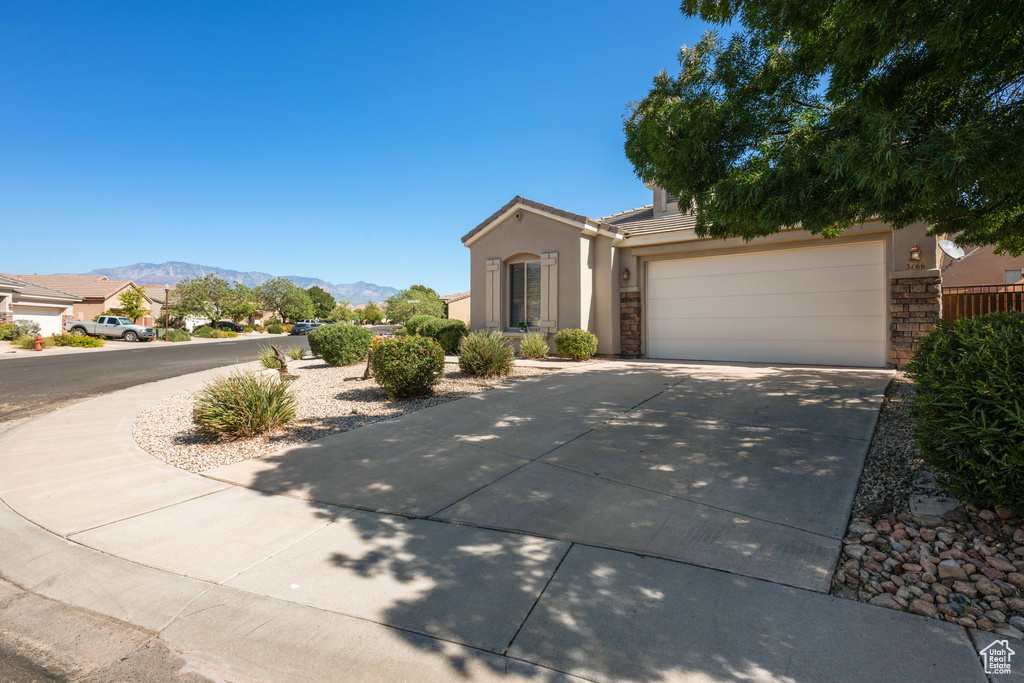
(39, 342)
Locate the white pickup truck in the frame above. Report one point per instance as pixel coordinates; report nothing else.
(110, 326)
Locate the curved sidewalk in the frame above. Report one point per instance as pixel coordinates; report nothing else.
(275, 587)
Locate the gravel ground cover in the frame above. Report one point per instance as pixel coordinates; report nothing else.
(965, 567)
(329, 400)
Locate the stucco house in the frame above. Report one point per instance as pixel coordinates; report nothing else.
(982, 267)
(647, 286)
(49, 308)
(457, 306)
(96, 293)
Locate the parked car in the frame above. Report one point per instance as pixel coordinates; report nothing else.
(304, 328)
(110, 326)
(227, 326)
(309, 321)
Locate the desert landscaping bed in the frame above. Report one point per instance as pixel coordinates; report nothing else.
(330, 400)
(965, 567)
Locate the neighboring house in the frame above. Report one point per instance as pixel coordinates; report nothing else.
(20, 300)
(982, 267)
(96, 293)
(644, 283)
(157, 295)
(457, 306)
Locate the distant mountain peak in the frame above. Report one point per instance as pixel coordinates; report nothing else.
(171, 272)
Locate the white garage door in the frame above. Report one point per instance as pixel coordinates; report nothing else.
(821, 306)
(49, 319)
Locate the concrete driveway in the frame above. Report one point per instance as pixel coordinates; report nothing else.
(751, 470)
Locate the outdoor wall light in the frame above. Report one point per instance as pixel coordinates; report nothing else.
(915, 253)
(625, 274)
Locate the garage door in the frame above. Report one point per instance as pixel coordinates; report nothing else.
(821, 306)
(49, 319)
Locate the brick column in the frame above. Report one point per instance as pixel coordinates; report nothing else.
(915, 303)
(629, 324)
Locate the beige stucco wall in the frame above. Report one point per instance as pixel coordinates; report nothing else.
(534, 235)
(460, 310)
(982, 267)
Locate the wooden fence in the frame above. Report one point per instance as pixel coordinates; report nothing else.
(970, 302)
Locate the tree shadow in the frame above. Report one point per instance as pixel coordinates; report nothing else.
(719, 439)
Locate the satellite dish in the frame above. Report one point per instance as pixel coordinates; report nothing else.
(951, 250)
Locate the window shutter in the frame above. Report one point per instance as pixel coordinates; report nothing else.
(549, 291)
(492, 295)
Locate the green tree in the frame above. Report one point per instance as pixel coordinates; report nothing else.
(206, 297)
(400, 306)
(371, 313)
(283, 297)
(342, 312)
(827, 113)
(241, 302)
(323, 302)
(133, 303)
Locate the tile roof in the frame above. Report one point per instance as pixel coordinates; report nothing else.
(449, 298)
(526, 202)
(642, 221)
(631, 223)
(84, 286)
(31, 289)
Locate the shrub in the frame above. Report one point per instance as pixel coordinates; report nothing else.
(78, 341)
(969, 411)
(28, 342)
(486, 354)
(250, 328)
(274, 329)
(268, 358)
(25, 328)
(173, 335)
(287, 328)
(575, 344)
(243, 404)
(8, 331)
(204, 332)
(447, 333)
(407, 366)
(340, 344)
(400, 331)
(295, 353)
(413, 324)
(534, 345)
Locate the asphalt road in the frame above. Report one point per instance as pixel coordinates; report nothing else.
(29, 386)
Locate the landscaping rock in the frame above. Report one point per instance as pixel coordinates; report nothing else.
(923, 608)
(885, 600)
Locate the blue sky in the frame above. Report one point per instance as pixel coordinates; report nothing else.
(347, 141)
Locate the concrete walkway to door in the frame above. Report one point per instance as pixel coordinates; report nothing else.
(620, 522)
(751, 470)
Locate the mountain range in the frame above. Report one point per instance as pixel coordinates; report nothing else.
(173, 271)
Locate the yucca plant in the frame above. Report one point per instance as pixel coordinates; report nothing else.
(534, 345)
(295, 353)
(243, 404)
(486, 354)
(268, 359)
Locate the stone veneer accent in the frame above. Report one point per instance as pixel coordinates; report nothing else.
(915, 303)
(6, 317)
(629, 324)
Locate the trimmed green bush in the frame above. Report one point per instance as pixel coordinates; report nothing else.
(534, 345)
(28, 342)
(207, 332)
(407, 366)
(243, 404)
(340, 344)
(575, 344)
(969, 411)
(274, 328)
(447, 333)
(486, 354)
(400, 331)
(173, 335)
(78, 341)
(413, 324)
